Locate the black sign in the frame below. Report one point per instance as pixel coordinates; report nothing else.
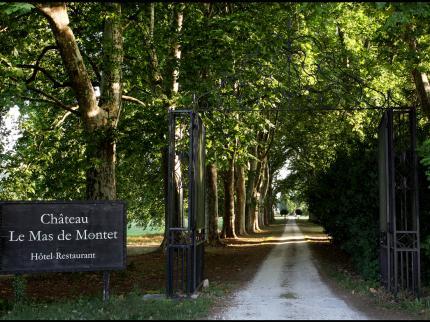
(56, 236)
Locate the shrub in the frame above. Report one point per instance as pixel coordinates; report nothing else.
(344, 199)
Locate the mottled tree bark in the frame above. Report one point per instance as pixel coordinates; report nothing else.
(250, 198)
(212, 203)
(255, 196)
(229, 215)
(240, 226)
(268, 201)
(260, 194)
(101, 176)
(263, 193)
(156, 77)
(176, 49)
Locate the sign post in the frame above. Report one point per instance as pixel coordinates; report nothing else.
(106, 280)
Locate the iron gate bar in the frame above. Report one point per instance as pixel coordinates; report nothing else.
(416, 209)
(385, 149)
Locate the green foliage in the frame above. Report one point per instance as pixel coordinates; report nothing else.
(345, 201)
(290, 201)
(139, 172)
(48, 163)
(424, 153)
(425, 247)
(15, 8)
(424, 190)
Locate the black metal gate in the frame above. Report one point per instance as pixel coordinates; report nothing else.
(186, 222)
(399, 213)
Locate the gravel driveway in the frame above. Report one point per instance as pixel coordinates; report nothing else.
(288, 286)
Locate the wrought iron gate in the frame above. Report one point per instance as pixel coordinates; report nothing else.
(399, 213)
(186, 222)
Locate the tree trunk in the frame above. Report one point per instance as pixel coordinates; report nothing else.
(176, 48)
(260, 183)
(101, 175)
(263, 193)
(212, 203)
(156, 77)
(272, 200)
(171, 90)
(250, 200)
(100, 119)
(165, 174)
(240, 225)
(256, 196)
(254, 211)
(268, 203)
(228, 229)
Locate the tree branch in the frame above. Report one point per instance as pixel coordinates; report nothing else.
(133, 100)
(63, 118)
(52, 99)
(37, 68)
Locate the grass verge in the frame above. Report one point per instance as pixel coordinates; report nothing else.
(378, 295)
(131, 306)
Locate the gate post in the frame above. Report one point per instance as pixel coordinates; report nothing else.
(399, 208)
(186, 224)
